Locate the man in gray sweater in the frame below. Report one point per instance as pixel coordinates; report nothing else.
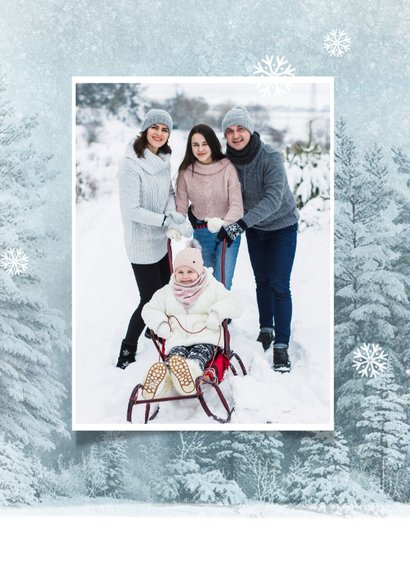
(270, 221)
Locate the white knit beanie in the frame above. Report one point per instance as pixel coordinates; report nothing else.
(238, 115)
(190, 257)
(157, 115)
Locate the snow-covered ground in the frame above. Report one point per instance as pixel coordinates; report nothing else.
(106, 538)
(109, 507)
(106, 295)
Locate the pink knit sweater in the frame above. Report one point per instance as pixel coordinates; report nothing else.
(214, 191)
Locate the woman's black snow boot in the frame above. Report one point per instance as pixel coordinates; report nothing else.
(127, 354)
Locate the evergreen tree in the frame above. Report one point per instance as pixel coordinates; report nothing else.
(294, 481)
(16, 475)
(257, 459)
(114, 456)
(327, 480)
(95, 100)
(383, 427)
(94, 472)
(154, 454)
(186, 111)
(370, 296)
(402, 264)
(32, 333)
(220, 453)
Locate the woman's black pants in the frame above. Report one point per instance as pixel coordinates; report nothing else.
(149, 279)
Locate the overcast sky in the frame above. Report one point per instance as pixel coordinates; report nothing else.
(300, 94)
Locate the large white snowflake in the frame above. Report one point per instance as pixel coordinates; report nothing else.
(14, 261)
(369, 360)
(337, 43)
(278, 68)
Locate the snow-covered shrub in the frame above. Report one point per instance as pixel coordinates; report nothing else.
(97, 161)
(312, 213)
(86, 185)
(67, 480)
(194, 485)
(308, 171)
(344, 493)
(212, 487)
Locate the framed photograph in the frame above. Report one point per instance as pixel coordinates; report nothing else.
(275, 351)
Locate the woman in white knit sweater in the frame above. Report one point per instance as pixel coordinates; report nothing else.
(209, 182)
(148, 211)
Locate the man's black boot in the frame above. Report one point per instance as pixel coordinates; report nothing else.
(281, 361)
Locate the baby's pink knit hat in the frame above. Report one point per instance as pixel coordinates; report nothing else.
(190, 257)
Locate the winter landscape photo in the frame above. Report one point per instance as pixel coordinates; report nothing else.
(108, 116)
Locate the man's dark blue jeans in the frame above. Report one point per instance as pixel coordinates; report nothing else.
(272, 254)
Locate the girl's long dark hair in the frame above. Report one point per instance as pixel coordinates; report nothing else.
(212, 140)
(141, 143)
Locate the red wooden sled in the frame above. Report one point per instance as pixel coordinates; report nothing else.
(211, 378)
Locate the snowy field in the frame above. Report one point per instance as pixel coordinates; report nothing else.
(110, 539)
(109, 507)
(106, 295)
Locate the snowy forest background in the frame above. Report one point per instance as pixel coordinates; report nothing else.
(366, 461)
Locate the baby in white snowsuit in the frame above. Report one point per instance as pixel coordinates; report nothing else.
(187, 313)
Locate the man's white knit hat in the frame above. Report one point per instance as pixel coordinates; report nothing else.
(238, 115)
(190, 257)
(157, 115)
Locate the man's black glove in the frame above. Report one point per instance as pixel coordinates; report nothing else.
(230, 232)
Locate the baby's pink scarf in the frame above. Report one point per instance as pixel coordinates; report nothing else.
(188, 293)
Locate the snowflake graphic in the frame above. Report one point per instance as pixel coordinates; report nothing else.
(337, 43)
(14, 261)
(278, 70)
(369, 360)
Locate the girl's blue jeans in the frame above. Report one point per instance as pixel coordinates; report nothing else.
(212, 254)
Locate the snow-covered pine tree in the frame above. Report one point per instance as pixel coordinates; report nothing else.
(387, 287)
(257, 461)
(30, 394)
(327, 481)
(294, 481)
(151, 457)
(325, 459)
(123, 101)
(402, 265)
(16, 474)
(350, 203)
(188, 451)
(384, 429)
(94, 471)
(220, 453)
(113, 451)
(368, 291)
